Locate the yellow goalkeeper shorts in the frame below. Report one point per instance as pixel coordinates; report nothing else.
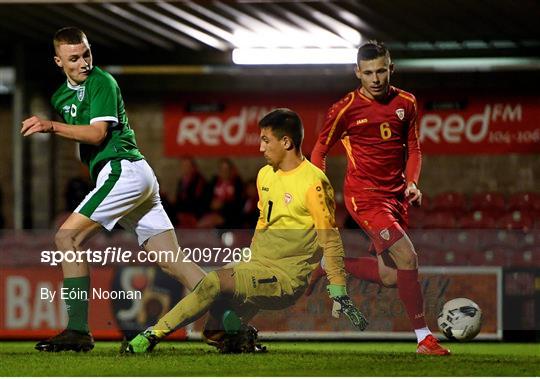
(263, 287)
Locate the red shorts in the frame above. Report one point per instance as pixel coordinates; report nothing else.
(384, 219)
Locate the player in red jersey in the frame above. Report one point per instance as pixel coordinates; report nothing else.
(377, 125)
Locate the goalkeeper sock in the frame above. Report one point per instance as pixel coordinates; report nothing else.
(411, 296)
(191, 307)
(77, 306)
(365, 268)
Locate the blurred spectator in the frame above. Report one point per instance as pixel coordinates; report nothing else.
(76, 189)
(2, 222)
(349, 223)
(250, 212)
(226, 198)
(168, 206)
(191, 194)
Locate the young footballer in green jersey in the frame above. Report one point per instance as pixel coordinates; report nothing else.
(127, 191)
(296, 227)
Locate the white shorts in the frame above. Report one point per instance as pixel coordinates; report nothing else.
(128, 193)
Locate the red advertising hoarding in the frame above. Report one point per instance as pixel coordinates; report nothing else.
(226, 125)
(483, 125)
(30, 310)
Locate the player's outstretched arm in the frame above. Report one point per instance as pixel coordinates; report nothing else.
(93, 134)
(344, 305)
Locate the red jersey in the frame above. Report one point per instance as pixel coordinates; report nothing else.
(380, 138)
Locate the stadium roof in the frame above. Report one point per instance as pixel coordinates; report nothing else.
(197, 33)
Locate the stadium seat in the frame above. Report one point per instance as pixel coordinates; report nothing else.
(427, 255)
(462, 239)
(460, 257)
(530, 238)
(439, 220)
(524, 201)
(488, 201)
(528, 257)
(499, 237)
(450, 257)
(449, 201)
(491, 256)
(356, 244)
(426, 238)
(477, 220)
(426, 203)
(416, 217)
(516, 220)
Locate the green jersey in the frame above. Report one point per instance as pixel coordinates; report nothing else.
(98, 99)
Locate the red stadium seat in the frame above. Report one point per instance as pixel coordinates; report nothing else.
(526, 201)
(439, 220)
(462, 239)
(491, 256)
(416, 217)
(477, 220)
(488, 201)
(530, 238)
(459, 257)
(450, 258)
(516, 220)
(499, 237)
(426, 203)
(528, 257)
(425, 238)
(449, 201)
(536, 217)
(427, 255)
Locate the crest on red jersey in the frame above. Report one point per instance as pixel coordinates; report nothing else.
(400, 113)
(385, 234)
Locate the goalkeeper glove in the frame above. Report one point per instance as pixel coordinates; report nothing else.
(343, 304)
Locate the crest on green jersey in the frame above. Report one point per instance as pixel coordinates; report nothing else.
(80, 93)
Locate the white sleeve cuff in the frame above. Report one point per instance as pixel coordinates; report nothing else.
(114, 120)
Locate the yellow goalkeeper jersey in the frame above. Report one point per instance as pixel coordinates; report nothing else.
(296, 225)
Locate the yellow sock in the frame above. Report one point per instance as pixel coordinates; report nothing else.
(191, 307)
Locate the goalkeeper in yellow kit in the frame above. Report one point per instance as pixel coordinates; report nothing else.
(296, 227)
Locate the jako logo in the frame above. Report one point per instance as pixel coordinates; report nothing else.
(451, 129)
(214, 130)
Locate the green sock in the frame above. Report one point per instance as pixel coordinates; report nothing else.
(77, 292)
(231, 322)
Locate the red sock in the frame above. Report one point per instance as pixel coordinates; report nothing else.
(365, 268)
(411, 296)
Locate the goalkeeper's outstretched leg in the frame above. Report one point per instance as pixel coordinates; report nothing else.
(248, 284)
(190, 308)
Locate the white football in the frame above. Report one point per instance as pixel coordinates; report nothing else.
(460, 319)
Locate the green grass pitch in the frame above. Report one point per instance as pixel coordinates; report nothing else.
(282, 359)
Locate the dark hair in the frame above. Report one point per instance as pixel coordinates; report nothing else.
(372, 50)
(284, 122)
(69, 35)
